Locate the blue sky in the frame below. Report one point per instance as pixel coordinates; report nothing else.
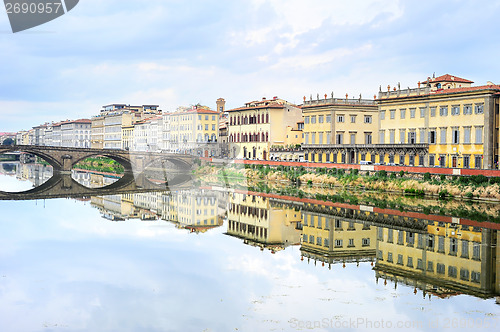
(175, 53)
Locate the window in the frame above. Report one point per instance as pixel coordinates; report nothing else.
(389, 257)
(442, 136)
(403, 113)
(307, 138)
(340, 118)
(338, 243)
(467, 135)
(478, 161)
(366, 242)
(306, 120)
(422, 135)
(433, 111)
(368, 119)
(455, 135)
(479, 108)
(430, 266)
(401, 237)
(313, 119)
(206, 117)
(351, 243)
(392, 134)
(476, 250)
(352, 138)
(320, 138)
(452, 271)
(412, 112)
(319, 241)
(402, 136)
(455, 110)
(465, 249)
(423, 110)
(327, 243)
(442, 160)
(380, 234)
(443, 111)
(381, 137)
(320, 118)
(368, 138)
(390, 235)
(338, 224)
(440, 268)
(382, 115)
(468, 109)
(475, 277)
(353, 118)
(311, 239)
(400, 259)
(432, 136)
(213, 127)
(412, 137)
(441, 244)
(453, 247)
(466, 161)
(328, 137)
(313, 138)
(409, 263)
(420, 264)
(329, 118)
(392, 114)
(339, 138)
(479, 135)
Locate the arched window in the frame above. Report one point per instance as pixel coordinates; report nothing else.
(267, 117)
(267, 137)
(238, 137)
(239, 120)
(213, 138)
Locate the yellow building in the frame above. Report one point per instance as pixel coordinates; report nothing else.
(332, 239)
(259, 125)
(457, 121)
(334, 128)
(444, 258)
(261, 223)
(195, 131)
(194, 210)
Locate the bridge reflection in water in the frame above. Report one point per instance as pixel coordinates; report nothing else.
(174, 168)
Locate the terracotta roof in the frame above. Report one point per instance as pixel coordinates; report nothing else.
(468, 89)
(449, 78)
(270, 105)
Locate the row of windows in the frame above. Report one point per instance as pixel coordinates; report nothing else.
(249, 119)
(440, 268)
(427, 241)
(458, 135)
(443, 111)
(340, 118)
(252, 137)
(180, 118)
(338, 243)
(339, 138)
(236, 226)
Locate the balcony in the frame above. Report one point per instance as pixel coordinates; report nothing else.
(339, 101)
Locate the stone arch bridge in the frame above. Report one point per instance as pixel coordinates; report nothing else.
(62, 159)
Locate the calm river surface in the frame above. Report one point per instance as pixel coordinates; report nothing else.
(217, 260)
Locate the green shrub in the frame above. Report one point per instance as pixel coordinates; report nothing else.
(443, 177)
(469, 195)
(427, 176)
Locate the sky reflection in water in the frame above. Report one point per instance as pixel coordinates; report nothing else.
(65, 267)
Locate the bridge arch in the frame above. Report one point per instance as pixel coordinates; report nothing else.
(56, 164)
(127, 165)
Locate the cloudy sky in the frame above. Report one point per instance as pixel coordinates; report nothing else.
(173, 52)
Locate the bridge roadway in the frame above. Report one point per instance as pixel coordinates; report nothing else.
(134, 180)
(62, 159)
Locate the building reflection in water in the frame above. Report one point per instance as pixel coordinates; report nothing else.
(435, 255)
(262, 222)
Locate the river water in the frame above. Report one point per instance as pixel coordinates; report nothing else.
(213, 259)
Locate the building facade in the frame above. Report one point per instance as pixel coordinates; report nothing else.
(335, 129)
(457, 121)
(259, 125)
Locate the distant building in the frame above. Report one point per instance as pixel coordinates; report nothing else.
(194, 131)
